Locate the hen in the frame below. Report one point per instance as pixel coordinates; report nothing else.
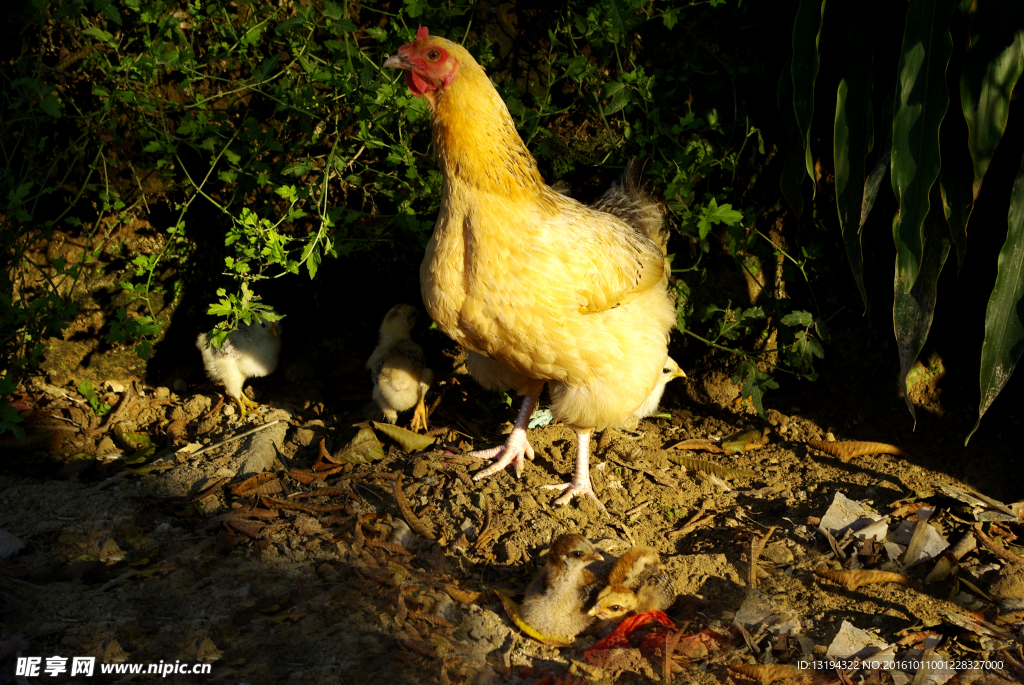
(249, 352)
(400, 376)
(540, 288)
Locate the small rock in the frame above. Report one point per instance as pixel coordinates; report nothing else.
(106, 446)
(304, 436)
(114, 386)
(421, 468)
(162, 393)
(509, 552)
(777, 553)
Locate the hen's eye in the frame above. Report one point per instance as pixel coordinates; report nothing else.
(433, 54)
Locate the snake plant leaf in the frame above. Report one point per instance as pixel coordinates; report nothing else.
(921, 102)
(853, 138)
(914, 306)
(992, 65)
(1004, 317)
(804, 71)
(792, 174)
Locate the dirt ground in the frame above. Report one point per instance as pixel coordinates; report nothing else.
(284, 556)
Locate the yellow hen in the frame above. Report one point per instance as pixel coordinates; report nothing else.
(540, 288)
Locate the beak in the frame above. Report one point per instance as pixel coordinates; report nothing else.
(597, 557)
(274, 330)
(594, 611)
(397, 62)
(679, 374)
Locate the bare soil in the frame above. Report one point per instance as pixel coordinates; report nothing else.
(140, 555)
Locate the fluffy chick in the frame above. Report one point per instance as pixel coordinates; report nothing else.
(557, 599)
(670, 371)
(638, 583)
(400, 376)
(249, 352)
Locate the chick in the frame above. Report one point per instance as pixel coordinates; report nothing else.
(638, 583)
(556, 600)
(400, 376)
(249, 352)
(650, 406)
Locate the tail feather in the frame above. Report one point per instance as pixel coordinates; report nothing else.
(628, 200)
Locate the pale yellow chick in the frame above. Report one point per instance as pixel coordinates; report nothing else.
(400, 375)
(637, 584)
(248, 352)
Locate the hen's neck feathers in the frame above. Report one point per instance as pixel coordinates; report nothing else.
(476, 140)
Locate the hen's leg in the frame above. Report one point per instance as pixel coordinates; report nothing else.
(580, 484)
(515, 447)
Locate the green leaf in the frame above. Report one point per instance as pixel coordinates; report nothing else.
(804, 71)
(799, 318)
(852, 141)
(1004, 316)
(792, 174)
(992, 65)
(921, 102)
(914, 306)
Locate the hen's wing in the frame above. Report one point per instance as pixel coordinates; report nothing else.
(628, 200)
(610, 262)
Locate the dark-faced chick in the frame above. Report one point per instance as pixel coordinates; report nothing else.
(556, 601)
(400, 375)
(249, 352)
(638, 583)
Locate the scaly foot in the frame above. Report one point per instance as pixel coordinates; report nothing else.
(575, 489)
(515, 447)
(242, 401)
(580, 484)
(511, 452)
(419, 418)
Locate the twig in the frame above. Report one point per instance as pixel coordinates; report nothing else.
(756, 547)
(410, 518)
(246, 434)
(1002, 553)
(691, 525)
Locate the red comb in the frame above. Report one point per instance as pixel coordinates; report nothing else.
(422, 32)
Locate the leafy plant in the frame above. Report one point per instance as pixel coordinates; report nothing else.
(930, 167)
(85, 389)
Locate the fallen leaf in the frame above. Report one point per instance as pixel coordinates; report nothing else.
(409, 441)
(512, 609)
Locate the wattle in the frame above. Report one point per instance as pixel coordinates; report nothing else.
(417, 84)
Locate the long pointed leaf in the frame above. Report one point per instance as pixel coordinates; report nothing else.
(804, 69)
(921, 102)
(992, 65)
(1004, 317)
(955, 186)
(913, 307)
(871, 186)
(853, 139)
(792, 173)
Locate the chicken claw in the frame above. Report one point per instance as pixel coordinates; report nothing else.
(580, 484)
(515, 447)
(419, 417)
(242, 401)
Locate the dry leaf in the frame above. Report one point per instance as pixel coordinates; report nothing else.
(847, 450)
(704, 445)
(852, 580)
(512, 609)
(710, 468)
(409, 441)
(252, 484)
(363, 449)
